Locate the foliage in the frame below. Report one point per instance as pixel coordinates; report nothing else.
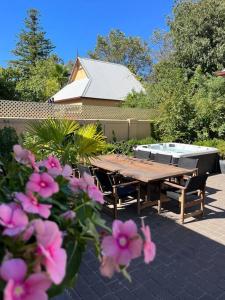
(8, 84)
(188, 108)
(126, 147)
(208, 98)
(47, 219)
(197, 30)
(166, 82)
(216, 143)
(127, 50)
(32, 45)
(45, 79)
(8, 138)
(64, 138)
(135, 99)
(162, 42)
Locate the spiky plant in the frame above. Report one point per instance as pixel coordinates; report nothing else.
(64, 138)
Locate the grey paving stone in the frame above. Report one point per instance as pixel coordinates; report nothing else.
(190, 262)
(125, 294)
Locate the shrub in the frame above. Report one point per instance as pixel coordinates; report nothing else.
(64, 138)
(216, 143)
(126, 147)
(8, 138)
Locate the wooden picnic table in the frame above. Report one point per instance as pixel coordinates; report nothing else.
(139, 169)
(148, 172)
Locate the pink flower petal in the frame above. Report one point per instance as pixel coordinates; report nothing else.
(38, 295)
(95, 194)
(56, 267)
(13, 231)
(129, 228)
(67, 171)
(135, 247)
(108, 266)
(149, 252)
(8, 291)
(74, 184)
(19, 218)
(5, 214)
(46, 192)
(88, 179)
(109, 246)
(117, 227)
(14, 269)
(124, 257)
(38, 281)
(149, 246)
(48, 233)
(32, 186)
(44, 210)
(68, 215)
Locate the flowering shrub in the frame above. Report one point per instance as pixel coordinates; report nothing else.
(47, 216)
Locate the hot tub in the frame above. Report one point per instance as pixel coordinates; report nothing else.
(208, 156)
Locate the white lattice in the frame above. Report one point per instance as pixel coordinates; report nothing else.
(34, 110)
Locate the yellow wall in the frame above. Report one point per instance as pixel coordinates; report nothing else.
(123, 129)
(78, 73)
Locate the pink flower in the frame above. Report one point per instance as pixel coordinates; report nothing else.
(49, 240)
(68, 215)
(18, 288)
(52, 164)
(124, 244)
(31, 205)
(149, 246)
(87, 185)
(108, 266)
(24, 156)
(74, 184)
(85, 181)
(81, 184)
(13, 219)
(95, 194)
(43, 184)
(67, 172)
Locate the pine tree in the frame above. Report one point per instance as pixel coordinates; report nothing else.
(32, 45)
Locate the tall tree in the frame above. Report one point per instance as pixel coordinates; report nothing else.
(45, 79)
(198, 32)
(127, 50)
(32, 45)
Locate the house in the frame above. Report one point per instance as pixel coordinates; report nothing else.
(94, 82)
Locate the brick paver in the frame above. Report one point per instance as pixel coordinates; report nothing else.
(190, 261)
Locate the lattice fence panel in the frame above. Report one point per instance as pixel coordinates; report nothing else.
(34, 110)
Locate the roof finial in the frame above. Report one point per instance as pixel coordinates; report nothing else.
(77, 53)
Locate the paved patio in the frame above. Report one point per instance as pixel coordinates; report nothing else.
(190, 262)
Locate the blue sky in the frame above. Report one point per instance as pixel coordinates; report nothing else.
(75, 24)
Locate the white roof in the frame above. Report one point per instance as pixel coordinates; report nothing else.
(105, 81)
(72, 90)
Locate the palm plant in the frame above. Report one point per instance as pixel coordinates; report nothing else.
(64, 138)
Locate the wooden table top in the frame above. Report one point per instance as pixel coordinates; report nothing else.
(139, 169)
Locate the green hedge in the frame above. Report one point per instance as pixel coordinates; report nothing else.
(126, 147)
(217, 143)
